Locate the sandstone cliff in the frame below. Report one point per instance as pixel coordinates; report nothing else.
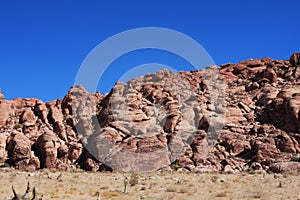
(229, 118)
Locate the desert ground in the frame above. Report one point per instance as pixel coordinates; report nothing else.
(156, 186)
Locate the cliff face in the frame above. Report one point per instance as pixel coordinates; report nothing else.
(233, 117)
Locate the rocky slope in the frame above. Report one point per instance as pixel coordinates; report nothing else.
(234, 117)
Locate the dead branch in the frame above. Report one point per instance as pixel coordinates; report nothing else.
(25, 196)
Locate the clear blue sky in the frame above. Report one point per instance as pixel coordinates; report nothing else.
(43, 43)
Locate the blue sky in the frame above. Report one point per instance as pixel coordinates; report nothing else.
(43, 43)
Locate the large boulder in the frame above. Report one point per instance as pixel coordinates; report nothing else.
(82, 106)
(41, 111)
(28, 116)
(295, 59)
(288, 166)
(19, 152)
(46, 149)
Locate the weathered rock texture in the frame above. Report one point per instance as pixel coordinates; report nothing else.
(249, 117)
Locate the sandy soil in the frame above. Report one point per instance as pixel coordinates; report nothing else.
(156, 186)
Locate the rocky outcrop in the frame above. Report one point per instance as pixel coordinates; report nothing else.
(6, 112)
(288, 166)
(284, 102)
(47, 149)
(295, 59)
(19, 152)
(228, 118)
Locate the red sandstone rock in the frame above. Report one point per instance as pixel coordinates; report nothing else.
(19, 150)
(164, 118)
(46, 147)
(5, 112)
(295, 59)
(284, 167)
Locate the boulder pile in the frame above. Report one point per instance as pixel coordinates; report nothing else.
(231, 118)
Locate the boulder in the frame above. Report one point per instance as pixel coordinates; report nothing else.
(46, 149)
(280, 167)
(41, 111)
(285, 143)
(28, 116)
(264, 150)
(74, 152)
(19, 150)
(295, 59)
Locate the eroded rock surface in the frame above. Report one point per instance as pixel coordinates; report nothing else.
(228, 118)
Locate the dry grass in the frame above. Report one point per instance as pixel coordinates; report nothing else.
(84, 185)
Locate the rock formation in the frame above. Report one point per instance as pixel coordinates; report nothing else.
(234, 117)
(295, 59)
